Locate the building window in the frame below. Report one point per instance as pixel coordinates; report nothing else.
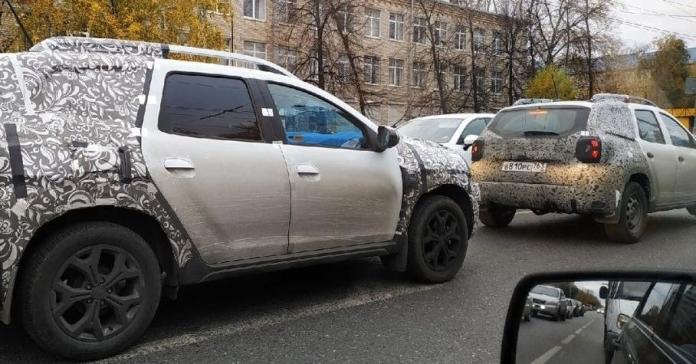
(440, 33)
(372, 24)
(344, 19)
(419, 30)
(255, 9)
(479, 79)
(286, 57)
(418, 75)
(396, 26)
(396, 70)
(459, 78)
(255, 49)
(497, 44)
(285, 10)
(343, 69)
(496, 82)
(460, 38)
(371, 68)
(479, 40)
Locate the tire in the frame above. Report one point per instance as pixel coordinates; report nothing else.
(692, 210)
(527, 318)
(127, 273)
(633, 216)
(437, 240)
(495, 216)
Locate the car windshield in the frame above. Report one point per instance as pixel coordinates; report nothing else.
(543, 121)
(546, 291)
(436, 130)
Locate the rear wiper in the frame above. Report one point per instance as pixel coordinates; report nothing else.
(539, 132)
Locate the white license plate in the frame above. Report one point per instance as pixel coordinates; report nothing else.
(535, 167)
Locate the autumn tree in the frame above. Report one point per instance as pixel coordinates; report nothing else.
(514, 38)
(552, 82)
(668, 67)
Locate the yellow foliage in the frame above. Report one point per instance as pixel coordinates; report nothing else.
(552, 83)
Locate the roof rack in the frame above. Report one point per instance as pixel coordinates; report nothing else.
(531, 101)
(622, 98)
(157, 50)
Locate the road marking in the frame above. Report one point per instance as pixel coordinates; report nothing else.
(265, 320)
(578, 331)
(544, 358)
(567, 340)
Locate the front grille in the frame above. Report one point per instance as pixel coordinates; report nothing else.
(536, 300)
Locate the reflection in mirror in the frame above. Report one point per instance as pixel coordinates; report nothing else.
(609, 321)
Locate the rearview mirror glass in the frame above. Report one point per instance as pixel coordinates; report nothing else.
(613, 319)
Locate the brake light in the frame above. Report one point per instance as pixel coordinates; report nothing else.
(477, 150)
(589, 150)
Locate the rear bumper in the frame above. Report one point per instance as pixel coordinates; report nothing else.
(581, 199)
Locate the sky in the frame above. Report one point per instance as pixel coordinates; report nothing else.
(637, 21)
(592, 286)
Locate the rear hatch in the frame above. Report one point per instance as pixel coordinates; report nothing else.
(533, 144)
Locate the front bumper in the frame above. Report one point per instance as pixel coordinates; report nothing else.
(582, 199)
(549, 310)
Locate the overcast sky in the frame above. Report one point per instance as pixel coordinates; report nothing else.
(677, 16)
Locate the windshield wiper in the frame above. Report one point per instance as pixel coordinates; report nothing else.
(539, 132)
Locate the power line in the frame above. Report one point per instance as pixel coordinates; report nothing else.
(656, 13)
(647, 27)
(679, 4)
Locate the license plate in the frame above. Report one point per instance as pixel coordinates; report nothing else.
(534, 167)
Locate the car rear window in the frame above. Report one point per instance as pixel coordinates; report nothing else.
(547, 121)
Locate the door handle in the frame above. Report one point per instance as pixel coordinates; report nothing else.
(307, 170)
(178, 164)
(650, 155)
(681, 159)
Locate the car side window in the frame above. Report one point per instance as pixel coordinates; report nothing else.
(648, 127)
(653, 311)
(207, 106)
(681, 331)
(474, 128)
(679, 136)
(311, 121)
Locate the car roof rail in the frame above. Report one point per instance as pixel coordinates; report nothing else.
(531, 101)
(622, 98)
(157, 50)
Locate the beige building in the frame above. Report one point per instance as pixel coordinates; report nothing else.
(381, 52)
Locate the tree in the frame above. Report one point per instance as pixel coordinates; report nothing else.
(668, 68)
(552, 83)
(514, 28)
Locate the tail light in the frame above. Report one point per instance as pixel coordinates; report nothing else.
(477, 150)
(589, 150)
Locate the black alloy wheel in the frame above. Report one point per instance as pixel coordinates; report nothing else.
(442, 240)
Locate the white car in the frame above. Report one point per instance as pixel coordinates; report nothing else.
(449, 130)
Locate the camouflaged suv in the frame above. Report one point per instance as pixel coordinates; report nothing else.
(615, 158)
(125, 175)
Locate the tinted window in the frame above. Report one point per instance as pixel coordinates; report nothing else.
(651, 313)
(437, 130)
(207, 107)
(648, 127)
(679, 136)
(309, 120)
(682, 324)
(540, 121)
(474, 128)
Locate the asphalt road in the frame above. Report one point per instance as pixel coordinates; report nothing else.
(357, 312)
(576, 340)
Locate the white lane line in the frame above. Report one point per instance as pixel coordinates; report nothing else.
(578, 331)
(265, 320)
(588, 324)
(567, 340)
(544, 358)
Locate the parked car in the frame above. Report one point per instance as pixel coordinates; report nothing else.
(621, 300)
(549, 301)
(130, 174)
(570, 311)
(663, 328)
(579, 309)
(614, 158)
(450, 130)
(527, 311)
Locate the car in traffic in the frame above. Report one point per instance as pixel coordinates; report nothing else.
(621, 300)
(615, 158)
(128, 174)
(549, 301)
(450, 130)
(527, 311)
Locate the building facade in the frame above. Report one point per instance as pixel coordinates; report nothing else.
(391, 59)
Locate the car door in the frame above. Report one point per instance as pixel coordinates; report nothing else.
(685, 151)
(640, 336)
(661, 156)
(205, 152)
(343, 193)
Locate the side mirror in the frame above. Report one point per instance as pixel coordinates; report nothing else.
(469, 141)
(387, 137)
(546, 318)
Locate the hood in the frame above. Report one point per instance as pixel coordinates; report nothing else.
(543, 297)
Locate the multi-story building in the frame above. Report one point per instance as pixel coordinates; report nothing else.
(383, 56)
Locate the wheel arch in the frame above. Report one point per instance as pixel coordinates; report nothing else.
(646, 183)
(141, 223)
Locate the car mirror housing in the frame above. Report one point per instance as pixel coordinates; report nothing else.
(387, 137)
(469, 141)
(604, 312)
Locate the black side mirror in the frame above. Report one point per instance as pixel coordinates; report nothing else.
(603, 292)
(387, 137)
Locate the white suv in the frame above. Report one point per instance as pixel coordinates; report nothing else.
(127, 174)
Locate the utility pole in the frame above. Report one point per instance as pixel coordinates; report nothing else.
(231, 26)
(28, 43)
(590, 68)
